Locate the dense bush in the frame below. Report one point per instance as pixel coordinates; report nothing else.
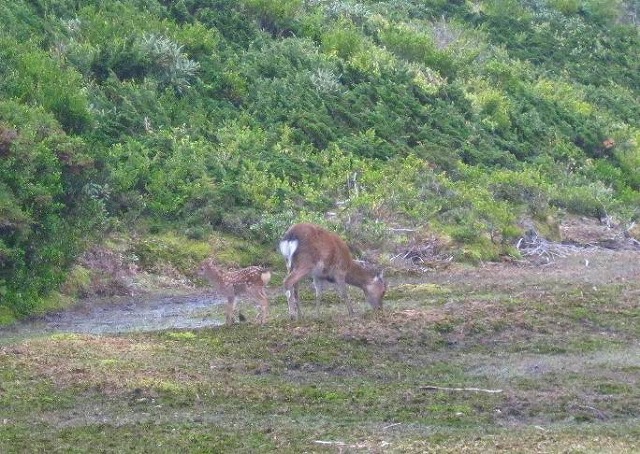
(460, 118)
(47, 205)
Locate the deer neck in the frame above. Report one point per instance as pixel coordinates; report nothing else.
(358, 276)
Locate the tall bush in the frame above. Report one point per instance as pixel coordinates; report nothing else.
(45, 214)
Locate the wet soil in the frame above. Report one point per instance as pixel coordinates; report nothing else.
(139, 313)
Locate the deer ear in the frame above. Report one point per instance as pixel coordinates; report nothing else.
(380, 276)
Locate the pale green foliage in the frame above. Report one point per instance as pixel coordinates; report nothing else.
(265, 190)
(282, 9)
(628, 157)
(506, 8)
(326, 81)
(156, 251)
(408, 42)
(426, 78)
(577, 194)
(237, 139)
(275, 16)
(603, 9)
(481, 208)
(373, 59)
(196, 39)
(564, 94)
(417, 191)
(172, 67)
(355, 11)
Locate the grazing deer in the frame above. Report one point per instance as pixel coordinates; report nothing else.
(251, 281)
(311, 250)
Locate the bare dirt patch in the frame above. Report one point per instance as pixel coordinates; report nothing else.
(123, 314)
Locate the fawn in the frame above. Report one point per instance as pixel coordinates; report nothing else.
(311, 250)
(231, 283)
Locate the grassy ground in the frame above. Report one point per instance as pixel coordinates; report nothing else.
(501, 357)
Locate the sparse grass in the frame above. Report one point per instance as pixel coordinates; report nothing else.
(562, 350)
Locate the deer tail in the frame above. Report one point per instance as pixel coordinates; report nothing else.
(287, 249)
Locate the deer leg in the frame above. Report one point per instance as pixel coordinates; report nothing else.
(344, 294)
(231, 309)
(317, 285)
(291, 290)
(296, 304)
(293, 302)
(264, 306)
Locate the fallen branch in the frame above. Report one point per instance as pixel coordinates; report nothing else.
(475, 390)
(338, 443)
(402, 230)
(532, 245)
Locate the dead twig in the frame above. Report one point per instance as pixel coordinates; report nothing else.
(424, 256)
(335, 443)
(402, 230)
(446, 388)
(533, 245)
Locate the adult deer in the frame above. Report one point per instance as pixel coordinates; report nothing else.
(250, 281)
(311, 250)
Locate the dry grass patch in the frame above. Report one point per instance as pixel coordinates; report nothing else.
(111, 364)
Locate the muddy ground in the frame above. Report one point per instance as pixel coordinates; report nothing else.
(137, 313)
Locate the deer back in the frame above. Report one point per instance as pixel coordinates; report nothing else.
(235, 281)
(310, 246)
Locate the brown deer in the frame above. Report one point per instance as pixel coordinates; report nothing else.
(231, 283)
(311, 250)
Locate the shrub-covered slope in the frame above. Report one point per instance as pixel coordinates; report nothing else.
(458, 119)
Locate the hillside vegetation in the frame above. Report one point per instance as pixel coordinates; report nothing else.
(466, 121)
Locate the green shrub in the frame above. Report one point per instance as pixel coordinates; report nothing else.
(45, 214)
(7, 316)
(567, 7)
(602, 10)
(33, 77)
(491, 105)
(627, 157)
(343, 40)
(77, 282)
(276, 17)
(169, 65)
(408, 43)
(591, 200)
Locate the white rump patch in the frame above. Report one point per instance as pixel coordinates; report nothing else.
(287, 249)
